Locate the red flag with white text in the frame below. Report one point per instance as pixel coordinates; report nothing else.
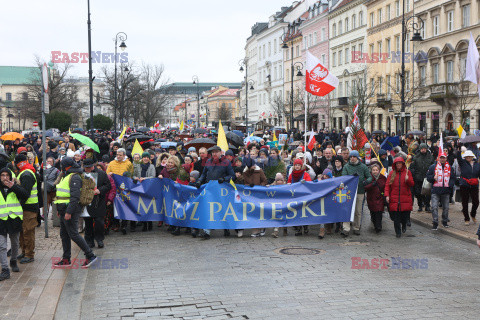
(319, 81)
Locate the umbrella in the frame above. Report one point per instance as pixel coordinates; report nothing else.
(416, 133)
(143, 129)
(200, 130)
(378, 132)
(234, 139)
(139, 137)
(470, 139)
(59, 138)
(12, 136)
(232, 147)
(49, 133)
(160, 140)
(86, 141)
(258, 133)
(167, 144)
(239, 133)
(200, 142)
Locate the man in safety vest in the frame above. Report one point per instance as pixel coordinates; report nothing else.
(69, 210)
(29, 201)
(11, 215)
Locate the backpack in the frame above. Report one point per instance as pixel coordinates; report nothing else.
(87, 192)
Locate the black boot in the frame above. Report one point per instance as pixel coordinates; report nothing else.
(145, 227)
(9, 252)
(226, 233)
(5, 274)
(176, 232)
(14, 266)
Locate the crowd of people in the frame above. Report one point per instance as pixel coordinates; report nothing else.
(388, 181)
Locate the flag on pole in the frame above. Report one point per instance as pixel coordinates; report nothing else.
(472, 69)
(137, 148)
(440, 147)
(461, 133)
(355, 120)
(181, 126)
(120, 137)
(222, 138)
(274, 136)
(157, 124)
(319, 81)
(311, 142)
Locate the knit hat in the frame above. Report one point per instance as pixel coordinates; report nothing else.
(327, 172)
(249, 162)
(279, 176)
(354, 153)
(21, 149)
(146, 154)
(298, 161)
(195, 174)
(229, 153)
(70, 153)
(191, 149)
(20, 157)
(423, 146)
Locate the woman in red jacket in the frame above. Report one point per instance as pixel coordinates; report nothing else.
(399, 196)
(375, 196)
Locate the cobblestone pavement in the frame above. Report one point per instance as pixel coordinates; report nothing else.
(180, 277)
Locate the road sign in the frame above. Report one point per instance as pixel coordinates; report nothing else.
(45, 77)
(46, 104)
(35, 123)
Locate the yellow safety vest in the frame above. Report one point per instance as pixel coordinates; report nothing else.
(33, 198)
(10, 207)
(63, 190)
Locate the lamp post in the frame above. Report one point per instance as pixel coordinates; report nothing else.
(417, 24)
(195, 81)
(122, 36)
(244, 63)
(90, 70)
(299, 67)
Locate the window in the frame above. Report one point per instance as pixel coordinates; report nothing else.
(310, 40)
(435, 25)
(389, 84)
(275, 46)
(372, 49)
(380, 16)
(372, 21)
(334, 59)
(407, 80)
(298, 51)
(288, 54)
(305, 42)
(340, 28)
(380, 121)
(269, 49)
(422, 31)
(397, 44)
(347, 55)
(360, 48)
(435, 73)
(423, 76)
(346, 25)
(275, 73)
(388, 47)
(279, 73)
(347, 89)
(354, 22)
(372, 86)
(9, 96)
(264, 52)
(360, 18)
(466, 16)
(287, 74)
(407, 5)
(323, 60)
(397, 8)
(354, 49)
(25, 96)
(323, 34)
(388, 13)
(398, 82)
(463, 67)
(340, 89)
(315, 38)
(380, 85)
(450, 21)
(380, 49)
(407, 42)
(340, 58)
(334, 30)
(450, 71)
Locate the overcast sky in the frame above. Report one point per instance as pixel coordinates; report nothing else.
(190, 37)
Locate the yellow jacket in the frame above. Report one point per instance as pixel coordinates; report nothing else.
(120, 167)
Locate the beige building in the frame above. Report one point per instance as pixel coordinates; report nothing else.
(446, 101)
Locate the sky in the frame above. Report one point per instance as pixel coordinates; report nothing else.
(191, 37)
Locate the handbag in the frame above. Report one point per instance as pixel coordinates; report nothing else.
(426, 188)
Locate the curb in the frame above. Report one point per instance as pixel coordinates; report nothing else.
(458, 234)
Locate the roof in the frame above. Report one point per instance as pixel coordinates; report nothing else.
(18, 75)
(190, 88)
(227, 92)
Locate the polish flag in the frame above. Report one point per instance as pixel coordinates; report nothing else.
(319, 81)
(311, 142)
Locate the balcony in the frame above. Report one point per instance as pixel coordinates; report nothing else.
(384, 100)
(444, 94)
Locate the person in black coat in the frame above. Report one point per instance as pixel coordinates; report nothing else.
(97, 208)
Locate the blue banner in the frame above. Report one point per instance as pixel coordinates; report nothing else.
(223, 206)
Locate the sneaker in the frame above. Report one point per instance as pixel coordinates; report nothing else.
(420, 209)
(62, 264)
(474, 220)
(5, 274)
(255, 235)
(100, 244)
(21, 256)
(275, 234)
(305, 230)
(14, 266)
(445, 225)
(435, 227)
(240, 233)
(89, 261)
(204, 236)
(26, 260)
(262, 233)
(467, 223)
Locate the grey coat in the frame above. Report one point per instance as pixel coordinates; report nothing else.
(137, 171)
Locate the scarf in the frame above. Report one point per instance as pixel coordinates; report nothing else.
(297, 175)
(145, 167)
(443, 175)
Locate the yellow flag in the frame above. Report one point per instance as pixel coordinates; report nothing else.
(274, 136)
(461, 133)
(69, 132)
(222, 139)
(181, 126)
(120, 137)
(233, 184)
(137, 148)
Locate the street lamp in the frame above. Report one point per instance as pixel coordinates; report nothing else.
(417, 24)
(244, 63)
(195, 81)
(299, 67)
(122, 36)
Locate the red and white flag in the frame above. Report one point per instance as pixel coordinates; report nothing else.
(355, 120)
(319, 81)
(311, 143)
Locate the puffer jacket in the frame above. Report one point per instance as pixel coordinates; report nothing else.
(375, 194)
(399, 191)
(421, 163)
(214, 170)
(360, 169)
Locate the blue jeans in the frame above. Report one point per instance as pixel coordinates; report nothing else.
(445, 200)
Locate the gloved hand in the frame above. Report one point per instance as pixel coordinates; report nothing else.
(221, 180)
(198, 185)
(302, 181)
(365, 182)
(355, 174)
(252, 185)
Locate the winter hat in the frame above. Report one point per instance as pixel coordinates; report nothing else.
(229, 153)
(354, 153)
(279, 176)
(105, 158)
(327, 172)
(20, 158)
(195, 174)
(70, 153)
(423, 146)
(298, 161)
(77, 152)
(146, 154)
(249, 162)
(191, 149)
(382, 152)
(21, 149)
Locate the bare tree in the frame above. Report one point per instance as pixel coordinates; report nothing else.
(362, 93)
(224, 113)
(279, 107)
(466, 94)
